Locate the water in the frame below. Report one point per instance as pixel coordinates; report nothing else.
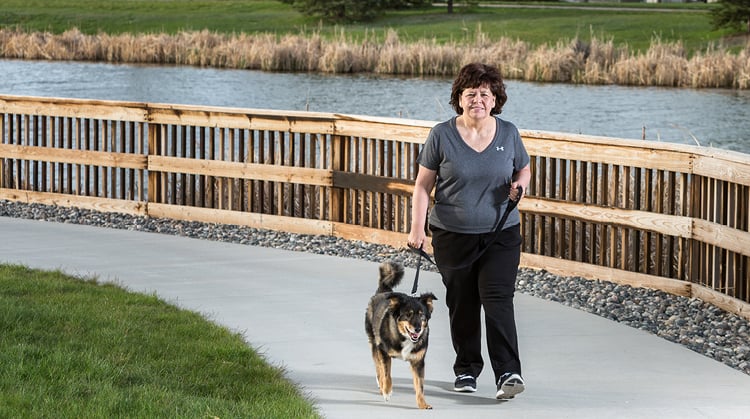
(707, 117)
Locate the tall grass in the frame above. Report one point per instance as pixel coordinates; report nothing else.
(72, 348)
(595, 61)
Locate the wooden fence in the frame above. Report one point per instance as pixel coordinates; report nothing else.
(658, 215)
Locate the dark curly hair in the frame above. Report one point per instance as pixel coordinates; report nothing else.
(474, 75)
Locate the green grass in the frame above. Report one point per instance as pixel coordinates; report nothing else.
(540, 26)
(76, 348)
(149, 16)
(688, 23)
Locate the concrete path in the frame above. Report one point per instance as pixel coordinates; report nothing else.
(305, 312)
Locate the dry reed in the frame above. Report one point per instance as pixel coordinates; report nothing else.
(573, 61)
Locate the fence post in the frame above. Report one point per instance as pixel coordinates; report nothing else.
(693, 262)
(2, 141)
(338, 163)
(153, 150)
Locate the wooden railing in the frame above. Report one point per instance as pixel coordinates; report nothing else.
(658, 215)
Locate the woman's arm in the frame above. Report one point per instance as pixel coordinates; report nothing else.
(420, 202)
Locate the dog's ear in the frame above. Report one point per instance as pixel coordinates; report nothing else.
(427, 299)
(394, 301)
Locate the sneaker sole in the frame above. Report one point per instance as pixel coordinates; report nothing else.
(510, 391)
(465, 389)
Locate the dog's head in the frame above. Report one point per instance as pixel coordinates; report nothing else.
(412, 313)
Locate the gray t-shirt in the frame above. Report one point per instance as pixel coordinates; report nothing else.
(472, 188)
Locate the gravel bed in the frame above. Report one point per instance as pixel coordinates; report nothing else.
(693, 323)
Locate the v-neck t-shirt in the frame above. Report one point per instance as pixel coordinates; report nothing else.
(471, 192)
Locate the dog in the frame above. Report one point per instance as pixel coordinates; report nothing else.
(397, 327)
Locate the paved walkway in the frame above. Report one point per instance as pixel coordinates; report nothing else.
(306, 313)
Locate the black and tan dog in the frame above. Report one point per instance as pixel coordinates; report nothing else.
(396, 326)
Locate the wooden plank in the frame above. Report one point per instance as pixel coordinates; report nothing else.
(629, 142)
(238, 170)
(355, 126)
(594, 272)
(372, 235)
(723, 301)
(59, 155)
(620, 154)
(666, 224)
(736, 170)
(261, 113)
(241, 120)
(66, 200)
(153, 184)
(672, 286)
(721, 236)
(338, 162)
(255, 220)
(678, 226)
(372, 183)
(3, 167)
(73, 108)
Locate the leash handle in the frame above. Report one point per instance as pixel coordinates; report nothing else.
(416, 276)
(422, 254)
(511, 204)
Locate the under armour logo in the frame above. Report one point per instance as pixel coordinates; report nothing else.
(500, 148)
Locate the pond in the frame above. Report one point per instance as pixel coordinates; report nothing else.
(707, 117)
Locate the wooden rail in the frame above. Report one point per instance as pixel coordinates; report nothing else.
(658, 215)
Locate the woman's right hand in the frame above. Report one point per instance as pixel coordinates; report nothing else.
(416, 238)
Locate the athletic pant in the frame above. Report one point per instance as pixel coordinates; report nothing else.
(488, 282)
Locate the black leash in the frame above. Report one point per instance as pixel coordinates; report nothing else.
(498, 228)
(508, 209)
(422, 254)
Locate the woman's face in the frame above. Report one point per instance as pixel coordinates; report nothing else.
(477, 102)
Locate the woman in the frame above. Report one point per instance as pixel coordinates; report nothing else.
(476, 162)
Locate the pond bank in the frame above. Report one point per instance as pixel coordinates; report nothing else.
(595, 62)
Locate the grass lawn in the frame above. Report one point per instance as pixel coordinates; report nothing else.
(688, 23)
(74, 348)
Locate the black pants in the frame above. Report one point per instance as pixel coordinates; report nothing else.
(488, 282)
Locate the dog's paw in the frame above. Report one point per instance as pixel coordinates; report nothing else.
(387, 396)
(422, 404)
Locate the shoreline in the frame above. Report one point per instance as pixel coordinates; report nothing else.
(576, 61)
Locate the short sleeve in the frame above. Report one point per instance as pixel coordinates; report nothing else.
(429, 156)
(521, 156)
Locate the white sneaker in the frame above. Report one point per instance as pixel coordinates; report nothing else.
(509, 385)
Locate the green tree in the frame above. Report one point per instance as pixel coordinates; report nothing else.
(732, 14)
(338, 10)
(350, 10)
(467, 3)
(404, 4)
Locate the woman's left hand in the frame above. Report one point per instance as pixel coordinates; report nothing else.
(516, 191)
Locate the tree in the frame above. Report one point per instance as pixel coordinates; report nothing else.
(732, 14)
(467, 3)
(337, 10)
(404, 4)
(350, 10)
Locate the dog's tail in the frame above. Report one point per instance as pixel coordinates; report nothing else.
(390, 276)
